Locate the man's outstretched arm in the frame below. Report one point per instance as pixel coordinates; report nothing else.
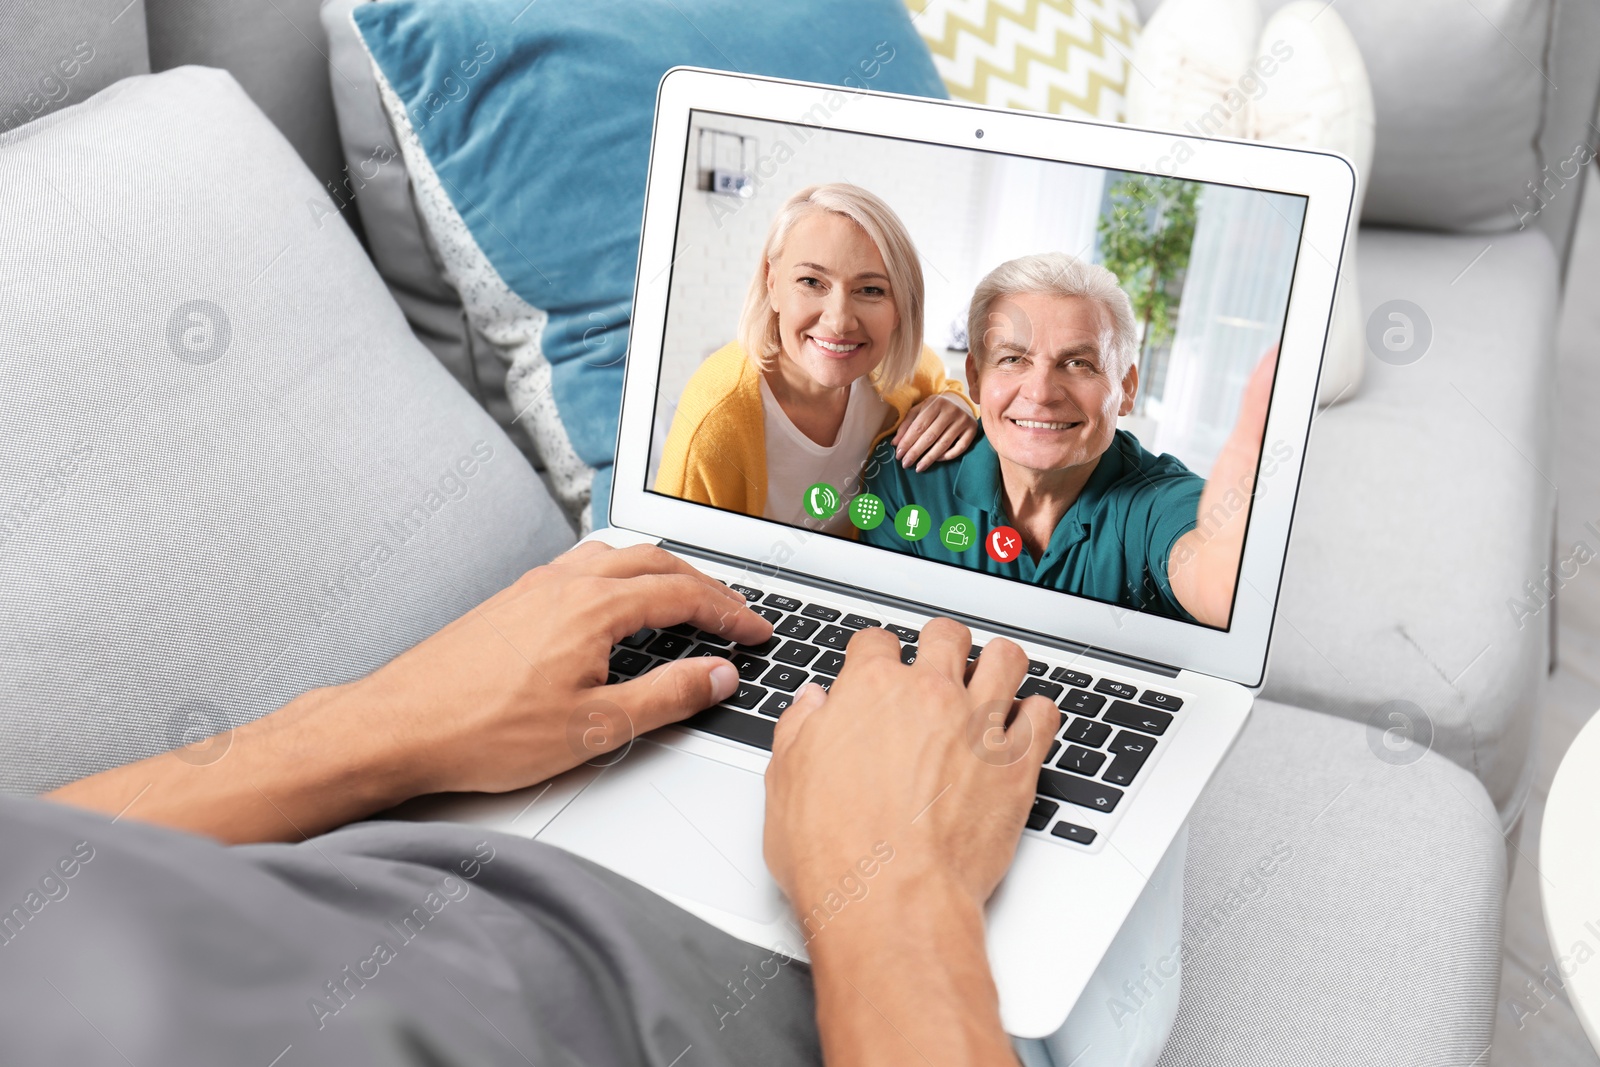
(510, 694)
(894, 806)
(1204, 565)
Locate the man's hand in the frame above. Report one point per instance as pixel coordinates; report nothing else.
(509, 694)
(917, 764)
(937, 428)
(490, 702)
(1204, 565)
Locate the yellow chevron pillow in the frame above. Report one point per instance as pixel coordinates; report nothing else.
(1067, 57)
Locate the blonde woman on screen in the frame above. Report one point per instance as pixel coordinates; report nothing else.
(829, 361)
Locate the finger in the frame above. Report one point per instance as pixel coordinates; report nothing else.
(999, 672)
(944, 647)
(628, 605)
(811, 697)
(1043, 718)
(912, 427)
(919, 444)
(873, 643)
(672, 691)
(942, 448)
(636, 560)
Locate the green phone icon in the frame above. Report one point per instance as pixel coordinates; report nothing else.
(821, 501)
(866, 511)
(913, 522)
(958, 533)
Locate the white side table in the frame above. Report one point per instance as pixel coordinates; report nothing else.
(1569, 858)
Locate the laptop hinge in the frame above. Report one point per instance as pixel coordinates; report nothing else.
(767, 570)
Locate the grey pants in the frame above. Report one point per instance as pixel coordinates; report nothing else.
(422, 944)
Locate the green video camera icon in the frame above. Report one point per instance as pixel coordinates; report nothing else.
(958, 533)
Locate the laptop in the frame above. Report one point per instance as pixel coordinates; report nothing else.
(1150, 699)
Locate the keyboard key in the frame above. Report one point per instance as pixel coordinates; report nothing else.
(638, 640)
(1116, 689)
(857, 622)
(734, 725)
(1081, 834)
(1132, 744)
(772, 615)
(1124, 768)
(977, 650)
(1161, 700)
(764, 648)
(707, 650)
(782, 603)
(904, 633)
(670, 646)
(1037, 669)
(1055, 746)
(687, 629)
(822, 680)
(1038, 687)
(786, 678)
(777, 703)
(746, 696)
(750, 667)
(834, 637)
(1043, 811)
(1083, 702)
(796, 626)
(612, 679)
(1077, 678)
(750, 594)
(1080, 760)
(1080, 791)
(628, 663)
(712, 639)
(908, 654)
(795, 654)
(820, 611)
(1086, 732)
(829, 663)
(1122, 713)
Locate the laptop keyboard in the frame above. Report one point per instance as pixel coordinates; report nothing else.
(1108, 728)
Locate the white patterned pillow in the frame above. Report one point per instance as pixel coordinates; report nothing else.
(1065, 57)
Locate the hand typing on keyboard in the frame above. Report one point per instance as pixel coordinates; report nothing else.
(917, 763)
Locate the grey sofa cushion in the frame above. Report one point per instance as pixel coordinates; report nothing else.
(1337, 908)
(381, 191)
(275, 50)
(61, 53)
(1426, 511)
(228, 471)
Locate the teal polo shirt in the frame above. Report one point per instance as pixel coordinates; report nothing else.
(1111, 545)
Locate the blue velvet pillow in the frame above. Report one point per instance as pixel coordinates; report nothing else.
(536, 117)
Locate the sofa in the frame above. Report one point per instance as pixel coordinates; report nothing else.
(208, 556)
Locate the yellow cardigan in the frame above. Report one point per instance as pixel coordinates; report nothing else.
(716, 450)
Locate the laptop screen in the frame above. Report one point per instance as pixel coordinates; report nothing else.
(1051, 373)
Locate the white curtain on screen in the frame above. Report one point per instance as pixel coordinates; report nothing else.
(1235, 295)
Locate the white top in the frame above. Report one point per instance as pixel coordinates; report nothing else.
(795, 462)
(1570, 865)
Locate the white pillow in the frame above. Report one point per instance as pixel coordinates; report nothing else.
(1212, 70)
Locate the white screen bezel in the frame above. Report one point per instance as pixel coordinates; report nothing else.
(1325, 179)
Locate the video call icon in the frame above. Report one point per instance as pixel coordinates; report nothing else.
(958, 533)
(822, 501)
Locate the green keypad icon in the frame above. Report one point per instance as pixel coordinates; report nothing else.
(913, 522)
(866, 511)
(958, 533)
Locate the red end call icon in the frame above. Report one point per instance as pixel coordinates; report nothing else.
(1004, 544)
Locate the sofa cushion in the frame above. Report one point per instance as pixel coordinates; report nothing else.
(228, 471)
(1422, 537)
(61, 53)
(1338, 908)
(526, 135)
